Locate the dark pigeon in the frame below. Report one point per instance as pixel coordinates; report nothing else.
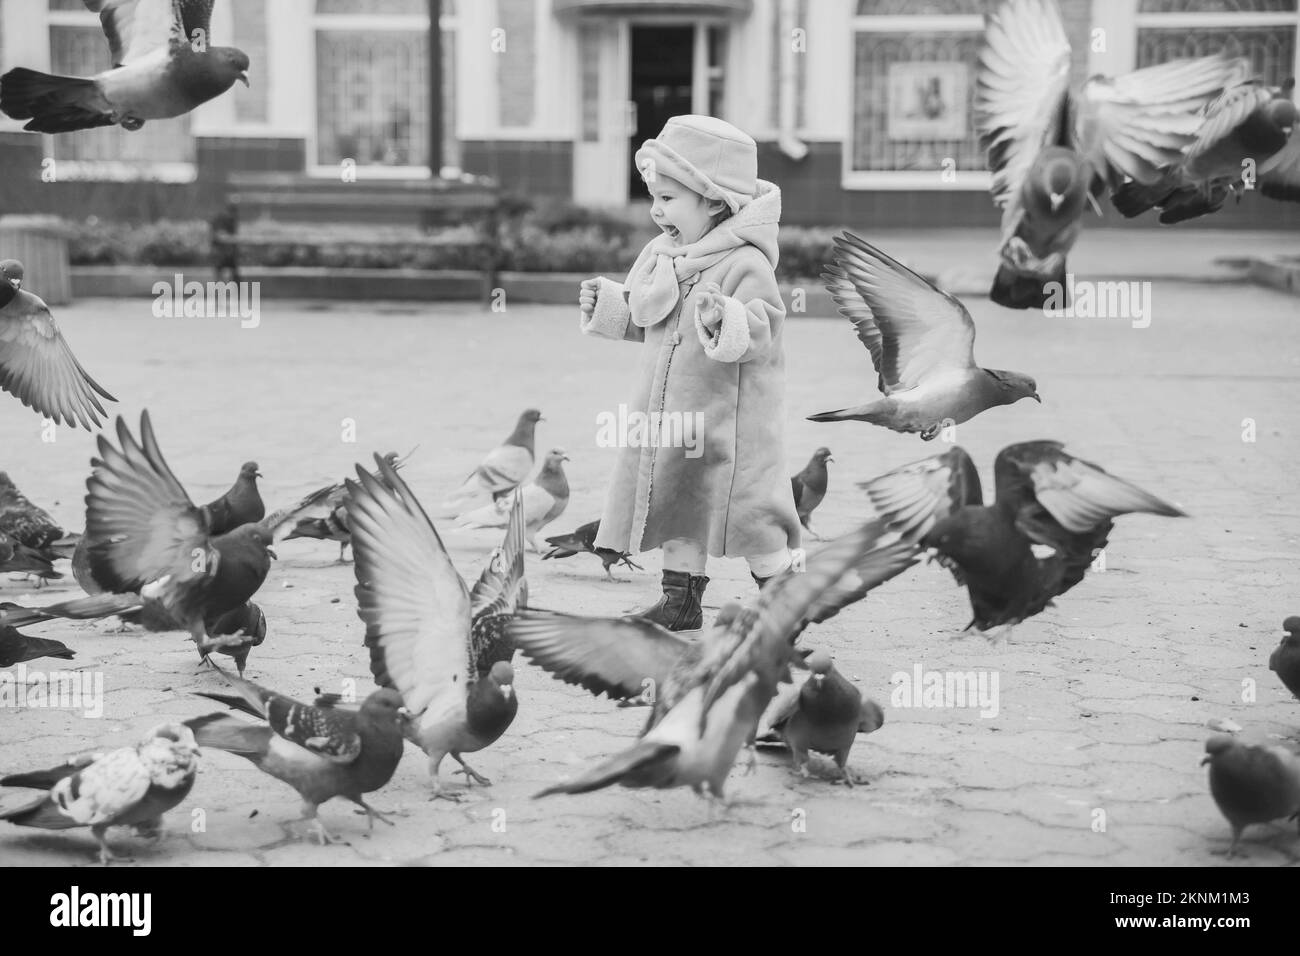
(1044, 496)
(163, 66)
(809, 487)
(240, 505)
(16, 648)
(17, 557)
(321, 751)
(583, 541)
(1285, 659)
(922, 344)
(36, 365)
(1252, 784)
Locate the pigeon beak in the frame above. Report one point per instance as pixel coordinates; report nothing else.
(16, 283)
(1205, 760)
(243, 78)
(1036, 398)
(506, 691)
(272, 553)
(257, 474)
(1055, 199)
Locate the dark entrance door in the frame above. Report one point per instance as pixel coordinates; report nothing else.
(662, 58)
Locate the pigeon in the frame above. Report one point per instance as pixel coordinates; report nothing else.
(501, 471)
(162, 67)
(15, 556)
(321, 751)
(1252, 784)
(709, 705)
(128, 787)
(16, 648)
(544, 500)
(36, 365)
(322, 515)
(583, 541)
(1053, 150)
(149, 539)
(1249, 123)
(809, 487)
(438, 643)
(241, 505)
(1044, 496)
(825, 714)
(1279, 175)
(922, 344)
(1285, 659)
(32, 532)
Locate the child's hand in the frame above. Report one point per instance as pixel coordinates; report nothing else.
(587, 295)
(711, 305)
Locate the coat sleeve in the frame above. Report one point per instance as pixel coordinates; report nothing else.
(611, 319)
(752, 313)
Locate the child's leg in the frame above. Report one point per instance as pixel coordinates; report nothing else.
(683, 554)
(683, 586)
(764, 566)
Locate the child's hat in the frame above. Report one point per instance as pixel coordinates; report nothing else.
(705, 154)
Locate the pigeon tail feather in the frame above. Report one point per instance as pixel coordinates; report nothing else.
(641, 755)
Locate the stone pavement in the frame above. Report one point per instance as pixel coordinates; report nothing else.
(1103, 702)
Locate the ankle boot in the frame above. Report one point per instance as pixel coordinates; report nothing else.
(679, 608)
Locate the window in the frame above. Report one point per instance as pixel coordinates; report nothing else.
(1263, 31)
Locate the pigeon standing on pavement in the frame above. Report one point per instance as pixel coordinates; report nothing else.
(1252, 784)
(1285, 659)
(502, 470)
(128, 787)
(163, 66)
(321, 751)
(438, 643)
(323, 516)
(922, 344)
(583, 541)
(809, 487)
(16, 556)
(36, 365)
(16, 648)
(1044, 496)
(825, 714)
(38, 537)
(544, 499)
(709, 705)
(148, 538)
(1053, 150)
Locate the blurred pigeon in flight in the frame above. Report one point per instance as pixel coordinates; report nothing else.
(128, 787)
(16, 648)
(501, 471)
(1044, 496)
(162, 67)
(583, 541)
(543, 500)
(1285, 659)
(809, 487)
(323, 515)
(321, 751)
(824, 714)
(441, 645)
(1054, 150)
(922, 344)
(36, 365)
(1252, 784)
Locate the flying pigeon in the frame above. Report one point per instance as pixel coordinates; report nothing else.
(1285, 659)
(1279, 175)
(438, 643)
(322, 515)
(501, 471)
(321, 751)
(1054, 150)
(36, 365)
(1044, 497)
(825, 714)
(16, 648)
(921, 342)
(544, 499)
(809, 487)
(583, 541)
(148, 538)
(162, 67)
(1246, 126)
(128, 787)
(709, 705)
(1252, 784)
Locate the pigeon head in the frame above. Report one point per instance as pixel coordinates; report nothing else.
(531, 415)
(819, 662)
(1216, 746)
(554, 459)
(504, 676)
(823, 455)
(248, 470)
(385, 706)
(258, 535)
(1057, 187)
(12, 272)
(1013, 386)
(1282, 114)
(1291, 625)
(168, 753)
(232, 62)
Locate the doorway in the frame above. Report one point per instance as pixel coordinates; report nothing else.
(662, 75)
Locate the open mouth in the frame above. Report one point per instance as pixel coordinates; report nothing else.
(672, 232)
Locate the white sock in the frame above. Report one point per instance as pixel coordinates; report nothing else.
(766, 565)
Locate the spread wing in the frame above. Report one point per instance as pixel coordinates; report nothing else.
(142, 524)
(323, 730)
(611, 656)
(923, 331)
(913, 498)
(414, 604)
(137, 28)
(854, 308)
(501, 587)
(38, 367)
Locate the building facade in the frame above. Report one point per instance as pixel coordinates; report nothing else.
(862, 108)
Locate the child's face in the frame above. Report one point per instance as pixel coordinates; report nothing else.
(683, 214)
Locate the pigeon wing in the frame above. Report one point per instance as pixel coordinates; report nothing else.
(414, 604)
(854, 308)
(137, 28)
(38, 367)
(923, 331)
(913, 498)
(104, 790)
(501, 587)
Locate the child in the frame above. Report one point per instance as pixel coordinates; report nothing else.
(703, 300)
